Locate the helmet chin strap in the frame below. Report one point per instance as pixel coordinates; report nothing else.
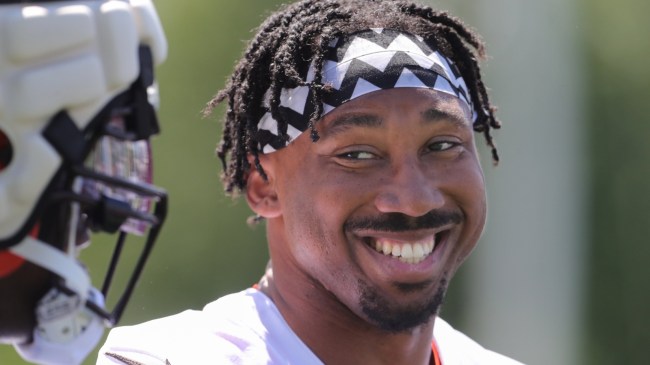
(74, 276)
(64, 262)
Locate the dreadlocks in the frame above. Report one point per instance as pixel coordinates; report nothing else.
(297, 35)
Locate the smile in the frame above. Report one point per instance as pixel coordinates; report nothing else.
(408, 252)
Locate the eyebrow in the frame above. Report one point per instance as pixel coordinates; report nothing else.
(345, 122)
(437, 115)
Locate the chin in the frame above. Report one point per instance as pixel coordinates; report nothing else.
(403, 317)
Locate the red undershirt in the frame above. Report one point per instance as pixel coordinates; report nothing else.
(435, 358)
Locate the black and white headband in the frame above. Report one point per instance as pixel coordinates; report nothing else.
(367, 61)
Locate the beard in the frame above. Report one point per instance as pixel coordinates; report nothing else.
(398, 317)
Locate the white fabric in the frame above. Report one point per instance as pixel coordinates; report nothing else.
(247, 328)
(455, 348)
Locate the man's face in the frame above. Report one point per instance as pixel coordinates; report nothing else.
(394, 171)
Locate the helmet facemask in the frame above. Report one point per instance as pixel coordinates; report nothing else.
(105, 183)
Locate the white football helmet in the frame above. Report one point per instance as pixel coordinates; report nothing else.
(78, 104)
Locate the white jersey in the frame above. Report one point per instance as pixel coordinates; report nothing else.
(247, 328)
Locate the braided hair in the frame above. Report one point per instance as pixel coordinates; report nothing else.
(297, 35)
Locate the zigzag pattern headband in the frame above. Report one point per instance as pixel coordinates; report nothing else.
(367, 61)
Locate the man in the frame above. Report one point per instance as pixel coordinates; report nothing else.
(77, 109)
(350, 130)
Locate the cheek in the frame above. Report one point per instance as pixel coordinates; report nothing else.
(314, 213)
(322, 191)
(308, 218)
(471, 198)
(313, 221)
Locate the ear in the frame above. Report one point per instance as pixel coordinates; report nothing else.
(260, 192)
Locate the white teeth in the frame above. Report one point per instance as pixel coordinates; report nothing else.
(418, 251)
(386, 249)
(406, 252)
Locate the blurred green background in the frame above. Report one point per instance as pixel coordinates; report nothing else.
(206, 249)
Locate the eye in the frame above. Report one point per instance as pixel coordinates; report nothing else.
(442, 146)
(357, 155)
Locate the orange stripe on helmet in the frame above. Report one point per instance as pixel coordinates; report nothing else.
(9, 263)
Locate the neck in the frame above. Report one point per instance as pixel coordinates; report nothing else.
(333, 331)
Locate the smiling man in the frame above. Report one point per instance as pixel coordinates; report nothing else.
(350, 131)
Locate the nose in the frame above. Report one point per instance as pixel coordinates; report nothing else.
(409, 190)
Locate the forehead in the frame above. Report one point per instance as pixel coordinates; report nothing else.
(376, 108)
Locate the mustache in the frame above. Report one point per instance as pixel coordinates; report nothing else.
(398, 222)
